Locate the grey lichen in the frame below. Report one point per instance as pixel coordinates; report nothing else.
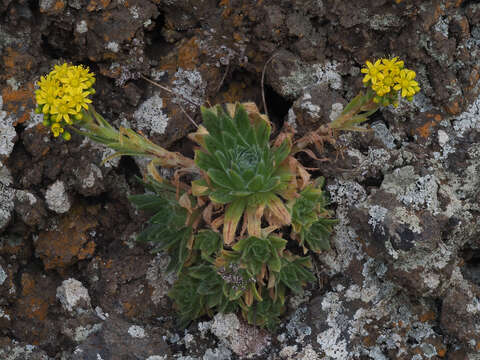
(137, 332)
(73, 296)
(419, 192)
(56, 197)
(189, 88)
(307, 75)
(159, 279)
(150, 117)
(377, 216)
(8, 134)
(6, 198)
(469, 119)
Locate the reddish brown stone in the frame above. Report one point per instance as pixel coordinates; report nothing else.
(70, 242)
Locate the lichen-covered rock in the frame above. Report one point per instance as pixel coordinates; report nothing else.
(73, 296)
(460, 313)
(13, 350)
(70, 240)
(118, 339)
(57, 198)
(30, 208)
(243, 339)
(401, 279)
(6, 198)
(8, 135)
(318, 105)
(289, 75)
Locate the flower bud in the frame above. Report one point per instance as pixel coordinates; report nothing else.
(66, 136)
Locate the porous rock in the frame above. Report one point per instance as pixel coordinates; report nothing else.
(73, 296)
(115, 341)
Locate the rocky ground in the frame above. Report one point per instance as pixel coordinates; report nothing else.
(403, 278)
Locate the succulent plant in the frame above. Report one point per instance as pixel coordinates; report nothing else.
(200, 290)
(168, 227)
(243, 179)
(242, 171)
(311, 222)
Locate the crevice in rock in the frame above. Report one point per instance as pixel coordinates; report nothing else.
(372, 182)
(156, 44)
(277, 106)
(471, 269)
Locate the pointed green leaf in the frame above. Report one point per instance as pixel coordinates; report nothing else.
(220, 178)
(233, 214)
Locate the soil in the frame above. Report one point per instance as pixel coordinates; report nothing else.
(402, 280)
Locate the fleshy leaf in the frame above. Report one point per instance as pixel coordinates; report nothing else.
(232, 217)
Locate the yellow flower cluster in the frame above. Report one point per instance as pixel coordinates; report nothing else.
(62, 95)
(388, 78)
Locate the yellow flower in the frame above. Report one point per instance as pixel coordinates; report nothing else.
(57, 129)
(62, 110)
(373, 72)
(63, 94)
(47, 92)
(392, 66)
(46, 98)
(406, 84)
(77, 98)
(384, 86)
(59, 71)
(86, 76)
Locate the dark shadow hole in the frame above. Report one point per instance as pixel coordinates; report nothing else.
(277, 107)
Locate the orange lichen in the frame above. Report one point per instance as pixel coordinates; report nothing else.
(238, 20)
(59, 6)
(228, 10)
(425, 130)
(15, 62)
(98, 4)
(188, 54)
(130, 309)
(453, 108)
(69, 242)
(442, 352)
(19, 102)
(28, 284)
(369, 341)
(237, 37)
(428, 316)
(32, 305)
(234, 92)
(453, 3)
(37, 308)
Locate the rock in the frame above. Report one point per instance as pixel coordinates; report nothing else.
(243, 339)
(73, 296)
(460, 312)
(30, 208)
(159, 279)
(70, 241)
(6, 201)
(149, 117)
(289, 76)
(133, 93)
(8, 135)
(35, 302)
(57, 198)
(89, 179)
(319, 105)
(13, 350)
(119, 339)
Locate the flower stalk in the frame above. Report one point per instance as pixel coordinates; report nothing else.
(386, 81)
